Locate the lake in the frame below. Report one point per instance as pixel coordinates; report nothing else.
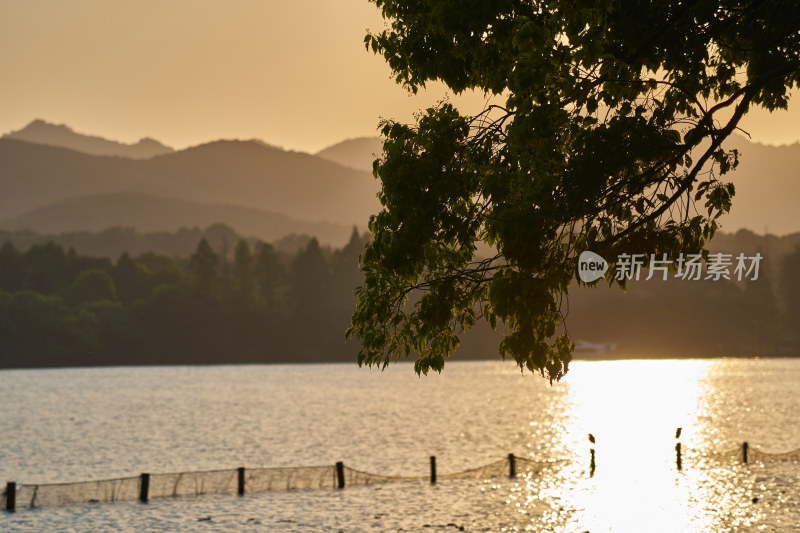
(65, 425)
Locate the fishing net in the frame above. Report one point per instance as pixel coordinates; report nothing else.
(524, 465)
(357, 478)
(253, 480)
(54, 494)
(193, 483)
(757, 455)
(754, 455)
(290, 478)
(706, 456)
(496, 469)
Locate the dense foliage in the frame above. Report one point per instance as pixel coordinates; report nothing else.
(251, 305)
(608, 137)
(255, 304)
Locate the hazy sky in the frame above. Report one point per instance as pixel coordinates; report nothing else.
(292, 72)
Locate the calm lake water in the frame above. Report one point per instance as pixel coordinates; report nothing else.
(81, 424)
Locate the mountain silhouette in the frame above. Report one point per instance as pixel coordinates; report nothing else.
(766, 181)
(333, 186)
(242, 173)
(354, 153)
(41, 132)
(149, 213)
(767, 186)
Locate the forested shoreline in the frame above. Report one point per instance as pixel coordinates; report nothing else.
(59, 308)
(247, 301)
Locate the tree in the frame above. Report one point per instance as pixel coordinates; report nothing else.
(91, 285)
(204, 263)
(46, 268)
(10, 267)
(609, 139)
(131, 279)
(790, 289)
(311, 278)
(269, 273)
(38, 330)
(243, 267)
(346, 274)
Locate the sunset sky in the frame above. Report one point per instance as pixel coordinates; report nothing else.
(294, 74)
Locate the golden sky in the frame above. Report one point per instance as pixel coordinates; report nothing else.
(292, 73)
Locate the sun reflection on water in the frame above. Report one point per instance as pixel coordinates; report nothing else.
(633, 408)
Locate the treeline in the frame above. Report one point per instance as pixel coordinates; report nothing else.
(251, 303)
(58, 308)
(703, 318)
(113, 242)
(680, 318)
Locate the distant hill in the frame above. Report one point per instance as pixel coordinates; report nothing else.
(334, 185)
(767, 181)
(767, 185)
(149, 213)
(244, 173)
(41, 132)
(354, 153)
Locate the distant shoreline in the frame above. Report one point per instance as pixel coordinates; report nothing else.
(615, 357)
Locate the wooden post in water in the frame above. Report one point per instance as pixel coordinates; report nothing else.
(591, 450)
(433, 469)
(11, 496)
(241, 480)
(678, 455)
(340, 474)
(745, 447)
(144, 487)
(512, 465)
